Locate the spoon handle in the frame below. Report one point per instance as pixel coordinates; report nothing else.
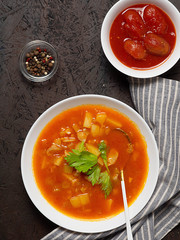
(126, 210)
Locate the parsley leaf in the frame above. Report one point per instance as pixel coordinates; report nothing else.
(82, 161)
(80, 149)
(94, 174)
(103, 150)
(81, 146)
(86, 162)
(105, 182)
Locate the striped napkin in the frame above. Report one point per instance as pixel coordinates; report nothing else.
(158, 102)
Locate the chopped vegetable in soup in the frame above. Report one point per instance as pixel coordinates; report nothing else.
(78, 157)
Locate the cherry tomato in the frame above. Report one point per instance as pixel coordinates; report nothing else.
(156, 45)
(155, 20)
(134, 24)
(135, 49)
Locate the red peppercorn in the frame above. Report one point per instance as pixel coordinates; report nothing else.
(45, 50)
(51, 58)
(27, 60)
(43, 60)
(39, 50)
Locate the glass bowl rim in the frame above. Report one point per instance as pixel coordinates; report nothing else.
(29, 46)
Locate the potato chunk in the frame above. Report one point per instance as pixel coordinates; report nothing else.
(80, 200)
(109, 204)
(58, 160)
(101, 118)
(53, 149)
(75, 201)
(87, 120)
(84, 198)
(95, 130)
(113, 123)
(76, 127)
(92, 149)
(82, 136)
(100, 161)
(112, 156)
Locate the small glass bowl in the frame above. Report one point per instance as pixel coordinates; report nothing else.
(32, 46)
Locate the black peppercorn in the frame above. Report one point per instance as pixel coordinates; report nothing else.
(39, 62)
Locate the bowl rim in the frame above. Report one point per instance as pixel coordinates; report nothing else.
(169, 62)
(41, 203)
(29, 46)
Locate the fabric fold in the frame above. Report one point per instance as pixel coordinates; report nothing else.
(158, 101)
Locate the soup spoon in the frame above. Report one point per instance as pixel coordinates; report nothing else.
(126, 210)
(123, 132)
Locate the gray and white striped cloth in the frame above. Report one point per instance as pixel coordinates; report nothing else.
(158, 102)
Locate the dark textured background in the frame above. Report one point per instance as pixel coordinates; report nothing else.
(73, 27)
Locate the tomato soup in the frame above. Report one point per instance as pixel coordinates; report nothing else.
(78, 157)
(142, 36)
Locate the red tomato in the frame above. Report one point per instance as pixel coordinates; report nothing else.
(135, 49)
(134, 24)
(156, 45)
(155, 20)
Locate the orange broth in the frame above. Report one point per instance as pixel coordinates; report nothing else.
(60, 184)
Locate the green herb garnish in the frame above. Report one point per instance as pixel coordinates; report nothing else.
(94, 174)
(82, 161)
(105, 182)
(86, 162)
(103, 150)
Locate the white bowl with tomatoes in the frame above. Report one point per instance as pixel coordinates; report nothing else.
(140, 39)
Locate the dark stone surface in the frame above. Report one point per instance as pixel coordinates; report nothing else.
(73, 27)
